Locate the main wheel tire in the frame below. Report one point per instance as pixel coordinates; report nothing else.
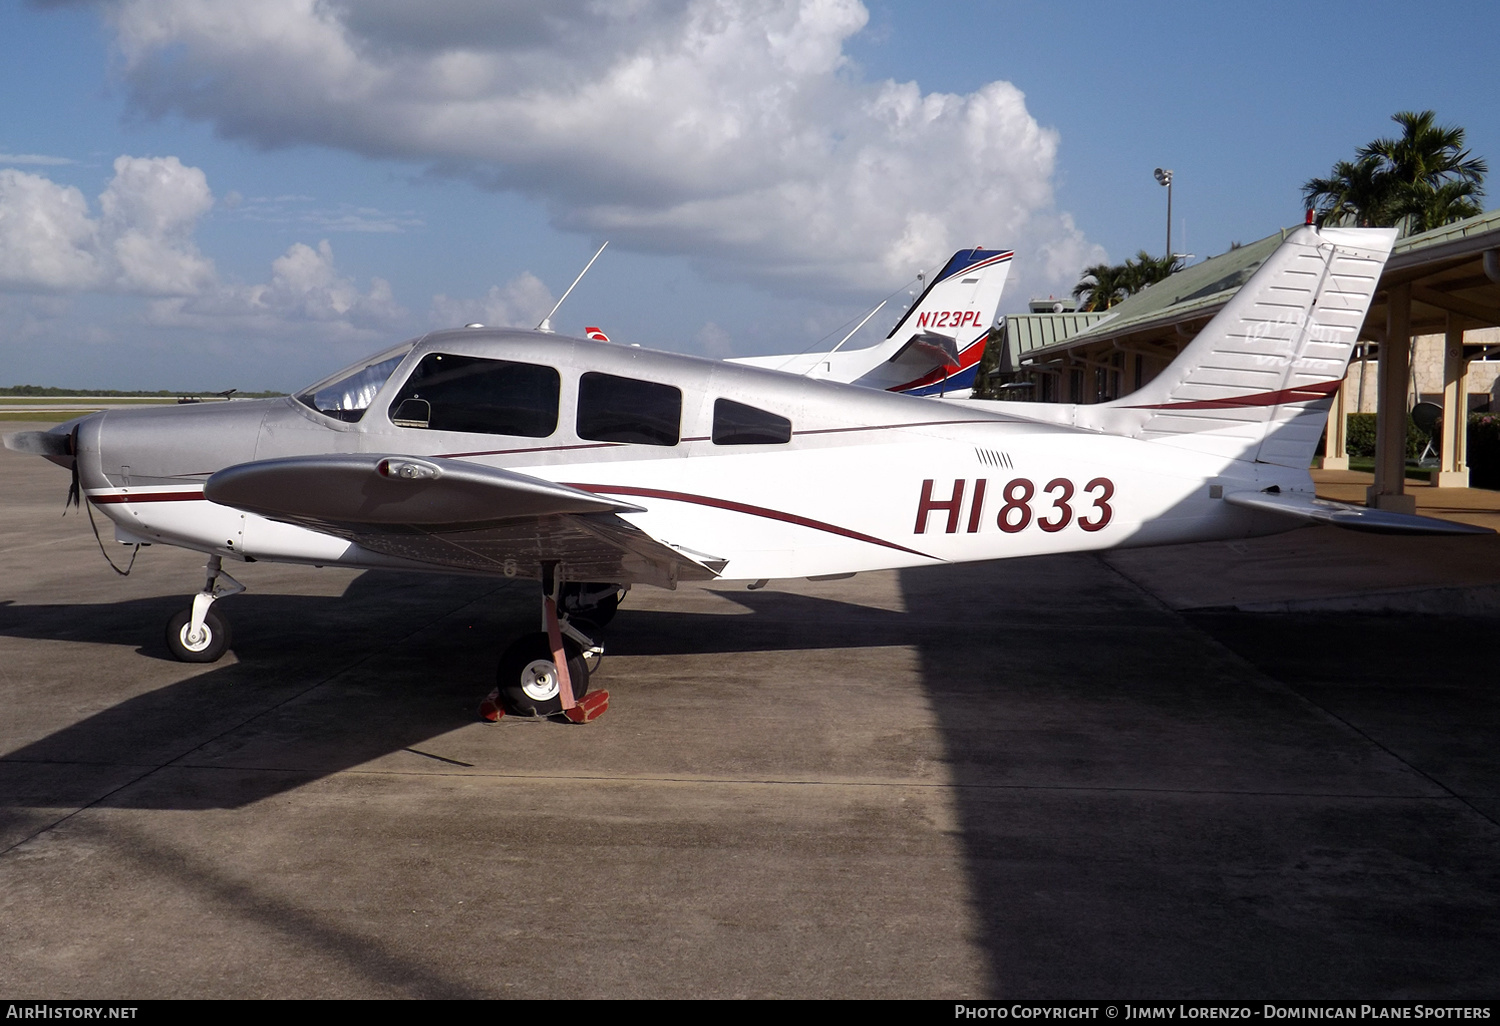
(528, 679)
(206, 649)
(597, 610)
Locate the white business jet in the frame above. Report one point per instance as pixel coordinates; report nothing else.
(936, 345)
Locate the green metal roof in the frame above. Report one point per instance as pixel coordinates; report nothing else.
(1024, 332)
(1486, 222)
(1201, 288)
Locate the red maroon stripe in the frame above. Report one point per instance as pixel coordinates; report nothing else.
(889, 427)
(996, 259)
(932, 377)
(1302, 393)
(541, 448)
(741, 507)
(104, 500)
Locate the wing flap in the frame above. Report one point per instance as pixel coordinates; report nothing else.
(457, 516)
(590, 546)
(398, 493)
(1306, 506)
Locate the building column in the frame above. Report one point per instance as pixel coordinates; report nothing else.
(1388, 491)
(1454, 472)
(1336, 448)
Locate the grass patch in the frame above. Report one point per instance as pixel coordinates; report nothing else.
(1367, 465)
(79, 400)
(49, 418)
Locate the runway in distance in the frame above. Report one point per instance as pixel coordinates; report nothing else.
(590, 467)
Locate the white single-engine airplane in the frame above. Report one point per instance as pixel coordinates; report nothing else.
(936, 345)
(592, 467)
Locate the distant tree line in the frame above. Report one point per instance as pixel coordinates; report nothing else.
(50, 391)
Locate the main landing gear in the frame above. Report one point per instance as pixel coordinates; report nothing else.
(547, 674)
(542, 674)
(198, 634)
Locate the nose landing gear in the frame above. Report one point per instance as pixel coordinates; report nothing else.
(198, 634)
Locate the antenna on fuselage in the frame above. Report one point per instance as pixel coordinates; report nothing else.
(847, 337)
(546, 324)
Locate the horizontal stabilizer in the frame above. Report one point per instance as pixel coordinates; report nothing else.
(429, 493)
(930, 350)
(1306, 506)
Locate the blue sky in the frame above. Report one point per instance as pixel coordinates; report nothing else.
(316, 180)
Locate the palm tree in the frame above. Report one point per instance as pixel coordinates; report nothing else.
(1427, 153)
(1419, 181)
(1356, 193)
(1145, 270)
(1104, 285)
(1449, 202)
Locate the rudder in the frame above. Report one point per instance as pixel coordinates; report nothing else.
(1258, 380)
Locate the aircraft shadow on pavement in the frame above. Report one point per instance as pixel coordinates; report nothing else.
(1217, 805)
(337, 680)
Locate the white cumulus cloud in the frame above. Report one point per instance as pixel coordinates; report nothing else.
(140, 244)
(305, 288)
(736, 132)
(521, 303)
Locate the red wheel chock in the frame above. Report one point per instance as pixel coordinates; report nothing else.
(489, 709)
(590, 707)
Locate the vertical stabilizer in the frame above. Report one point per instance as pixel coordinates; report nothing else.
(935, 347)
(1258, 380)
(960, 304)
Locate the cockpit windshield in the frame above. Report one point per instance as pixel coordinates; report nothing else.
(347, 394)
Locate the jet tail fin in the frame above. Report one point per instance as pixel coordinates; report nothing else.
(960, 304)
(935, 347)
(1257, 382)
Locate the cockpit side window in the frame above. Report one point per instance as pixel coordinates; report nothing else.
(491, 397)
(738, 424)
(614, 409)
(347, 395)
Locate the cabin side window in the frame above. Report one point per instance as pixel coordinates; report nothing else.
(615, 409)
(488, 397)
(738, 424)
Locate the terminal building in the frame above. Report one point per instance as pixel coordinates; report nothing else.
(1432, 335)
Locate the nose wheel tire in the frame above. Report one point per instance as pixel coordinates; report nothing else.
(210, 644)
(528, 680)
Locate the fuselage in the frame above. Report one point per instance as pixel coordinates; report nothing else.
(778, 475)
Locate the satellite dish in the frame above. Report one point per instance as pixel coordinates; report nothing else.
(1427, 416)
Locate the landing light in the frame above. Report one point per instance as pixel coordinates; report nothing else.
(409, 470)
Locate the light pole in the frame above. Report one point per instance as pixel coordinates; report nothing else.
(1164, 177)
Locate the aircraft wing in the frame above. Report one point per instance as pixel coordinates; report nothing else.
(1306, 506)
(457, 515)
